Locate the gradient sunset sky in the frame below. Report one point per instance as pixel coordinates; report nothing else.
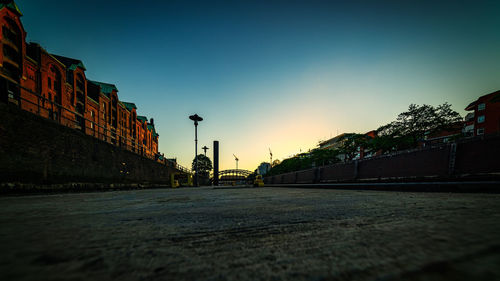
(275, 74)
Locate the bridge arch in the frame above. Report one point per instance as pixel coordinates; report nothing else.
(234, 175)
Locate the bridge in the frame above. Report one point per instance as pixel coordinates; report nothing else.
(235, 175)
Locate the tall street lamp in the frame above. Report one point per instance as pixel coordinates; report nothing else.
(196, 119)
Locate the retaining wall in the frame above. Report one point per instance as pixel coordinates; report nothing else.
(38, 150)
(477, 158)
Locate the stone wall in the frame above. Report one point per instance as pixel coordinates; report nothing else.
(38, 150)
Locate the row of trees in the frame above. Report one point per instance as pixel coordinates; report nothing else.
(406, 132)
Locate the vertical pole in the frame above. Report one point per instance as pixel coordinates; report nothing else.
(216, 163)
(196, 153)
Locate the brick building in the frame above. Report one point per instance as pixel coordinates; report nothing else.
(56, 87)
(486, 117)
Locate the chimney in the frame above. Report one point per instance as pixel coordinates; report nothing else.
(152, 121)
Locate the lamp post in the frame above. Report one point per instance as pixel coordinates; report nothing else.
(196, 119)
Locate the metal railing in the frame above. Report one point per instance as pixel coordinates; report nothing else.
(40, 105)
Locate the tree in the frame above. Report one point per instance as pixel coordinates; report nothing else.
(303, 161)
(411, 126)
(204, 165)
(352, 144)
(322, 157)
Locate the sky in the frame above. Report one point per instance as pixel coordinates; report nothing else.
(279, 75)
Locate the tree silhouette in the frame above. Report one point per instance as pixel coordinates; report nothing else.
(352, 144)
(204, 165)
(411, 126)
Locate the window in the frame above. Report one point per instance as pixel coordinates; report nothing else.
(480, 131)
(92, 113)
(481, 106)
(480, 119)
(50, 83)
(10, 35)
(10, 53)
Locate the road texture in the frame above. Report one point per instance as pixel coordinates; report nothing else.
(250, 234)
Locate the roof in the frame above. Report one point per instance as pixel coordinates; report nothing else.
(496, 98)
(142, 118)
(105, 87)
(129, 105)
(152, 128)
(332, 140)
(70, 63)
(471, 105)
(491, 97)
(11, 5)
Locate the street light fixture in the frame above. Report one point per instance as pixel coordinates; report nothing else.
(196, 119)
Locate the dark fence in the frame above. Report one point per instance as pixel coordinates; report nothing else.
(473, 158)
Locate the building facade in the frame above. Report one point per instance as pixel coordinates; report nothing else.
(486, 114)
(56, 87)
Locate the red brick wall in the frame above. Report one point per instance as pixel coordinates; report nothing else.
(6, 14)
(92, 114)
(104, 118)
(31, 82)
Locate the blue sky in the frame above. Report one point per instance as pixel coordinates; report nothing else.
(275, 74)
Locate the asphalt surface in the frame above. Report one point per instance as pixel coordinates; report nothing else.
(250, 234)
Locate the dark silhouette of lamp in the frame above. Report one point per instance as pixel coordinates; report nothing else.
(196, 119)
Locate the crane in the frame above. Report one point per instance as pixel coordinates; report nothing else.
(236, 158)
(271, 158)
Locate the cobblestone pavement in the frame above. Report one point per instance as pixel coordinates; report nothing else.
(250, 234)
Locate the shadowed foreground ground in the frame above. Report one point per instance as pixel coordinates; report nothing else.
(250, 234)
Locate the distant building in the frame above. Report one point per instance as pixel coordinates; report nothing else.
(444, 136)
(338, 141)
(468, 129)
(263, 168)
(333, 143)
(486, 116)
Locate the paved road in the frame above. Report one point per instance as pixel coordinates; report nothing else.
(250, 234)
